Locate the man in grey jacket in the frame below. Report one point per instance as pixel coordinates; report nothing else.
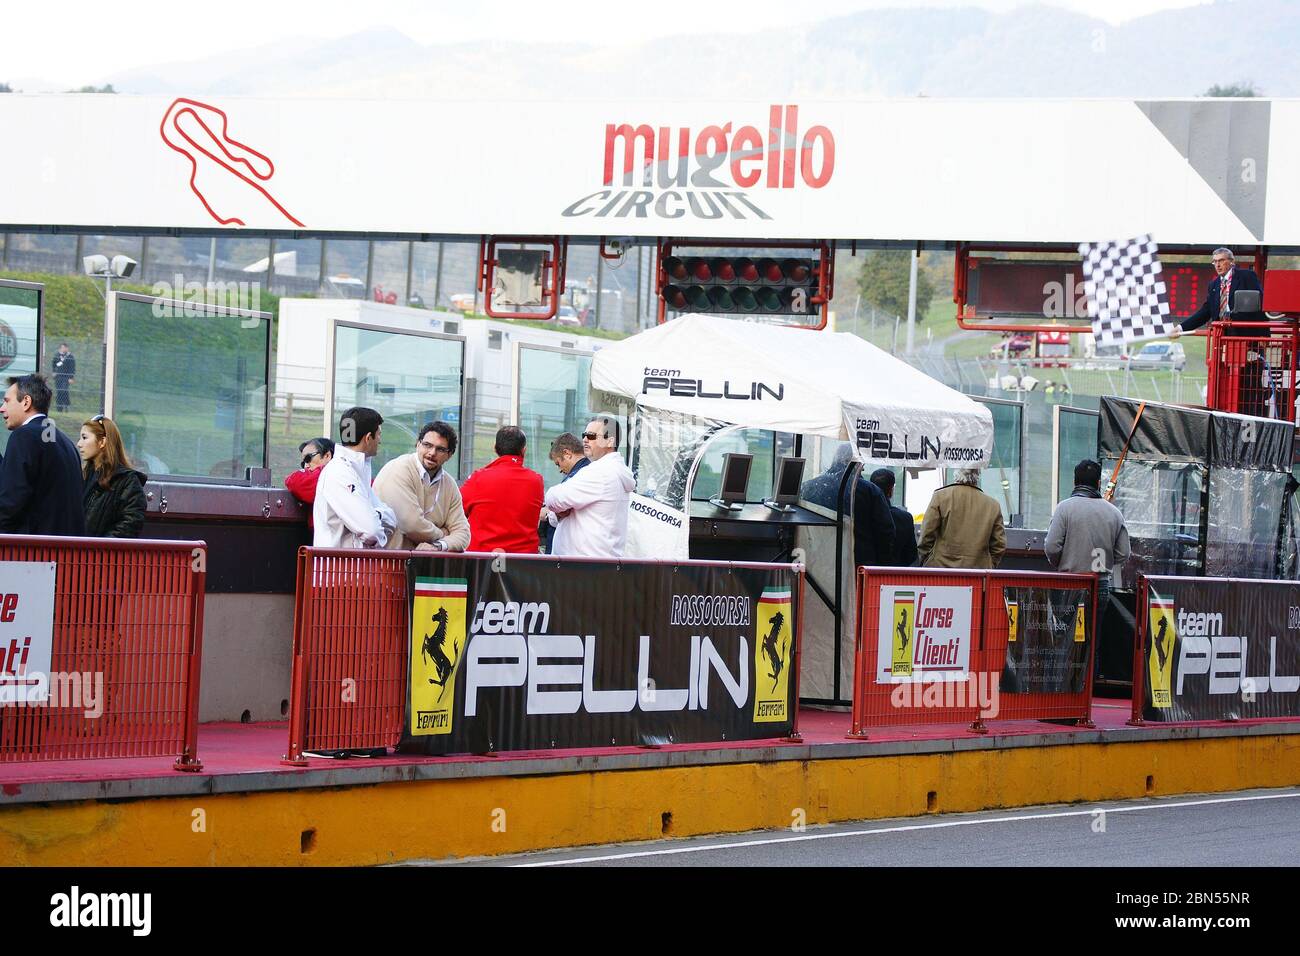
(1087, 533)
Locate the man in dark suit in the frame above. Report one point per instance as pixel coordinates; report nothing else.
(1251, 394)
(1218, 299)
(905, 554)
(40, 474)
(64, 366)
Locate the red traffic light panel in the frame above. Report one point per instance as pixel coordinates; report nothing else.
(769, 281)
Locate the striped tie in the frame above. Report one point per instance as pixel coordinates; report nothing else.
(1223, 297)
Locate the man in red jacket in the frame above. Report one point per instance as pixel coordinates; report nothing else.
(302, 483)
(502, 500)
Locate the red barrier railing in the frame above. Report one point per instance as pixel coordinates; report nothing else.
(979, 697)
(126, 652)
(1253, 374)
(351, 648)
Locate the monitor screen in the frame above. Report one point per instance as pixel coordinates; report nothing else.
(789, 479)
(735, 476)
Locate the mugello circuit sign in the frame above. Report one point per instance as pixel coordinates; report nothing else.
(749, 171)
(706, 174)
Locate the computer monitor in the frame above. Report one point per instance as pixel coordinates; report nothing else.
(735, 481)
(786, 485)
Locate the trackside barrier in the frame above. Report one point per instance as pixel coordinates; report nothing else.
(126, 651)
(878, 702)
(351, 647)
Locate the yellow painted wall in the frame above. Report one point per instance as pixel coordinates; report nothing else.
(457, 818)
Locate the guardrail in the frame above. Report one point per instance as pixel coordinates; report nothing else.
(965, 646)
(354, 648)
(125, 651)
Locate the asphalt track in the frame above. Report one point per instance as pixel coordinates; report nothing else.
(1248, 828)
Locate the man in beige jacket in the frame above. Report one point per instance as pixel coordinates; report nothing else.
(962, 526)
(424, 497)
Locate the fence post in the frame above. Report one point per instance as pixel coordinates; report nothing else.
(198, 579)
(298, 691)
(1139, 653)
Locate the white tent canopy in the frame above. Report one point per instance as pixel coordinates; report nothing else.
(795, 380)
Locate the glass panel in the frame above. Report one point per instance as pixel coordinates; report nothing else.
(190, 389)
(297, 267)
(345, 269)
(1001, 479)
(552, 400)
(827, 468)
(36, 252)
(409, 379)
(1077, 441)
(19, 319)
(388, 279)
(748, 441)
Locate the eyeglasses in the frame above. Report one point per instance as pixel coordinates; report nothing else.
(1220, 259)
(307, 459)
(97, 418)
(436, 449)
(591, 436)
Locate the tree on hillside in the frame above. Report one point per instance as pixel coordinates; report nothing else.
(884, 280)
(1233, 89)
(106, 88)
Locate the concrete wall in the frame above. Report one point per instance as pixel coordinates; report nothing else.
(247, 657)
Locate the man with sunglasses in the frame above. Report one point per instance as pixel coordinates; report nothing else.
(430, 514)
(592, 506)
(316, 452)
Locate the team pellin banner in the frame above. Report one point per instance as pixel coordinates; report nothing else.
(1048, 640)
(1221, 650)
(526, 654)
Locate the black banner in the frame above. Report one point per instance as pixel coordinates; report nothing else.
(1049, 633)
(1218, 649)
(526, 654)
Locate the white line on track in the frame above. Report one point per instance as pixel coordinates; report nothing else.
(841, 835)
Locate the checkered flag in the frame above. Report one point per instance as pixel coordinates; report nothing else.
(1126, 291)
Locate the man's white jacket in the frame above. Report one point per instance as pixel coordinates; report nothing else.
(347, 513)
(597, 498)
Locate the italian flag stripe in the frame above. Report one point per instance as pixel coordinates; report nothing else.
(441, 587)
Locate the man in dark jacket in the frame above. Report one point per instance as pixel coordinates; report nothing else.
(64, 366)
(873, 525)
(40, 475)
(566, 455)
(904, 527)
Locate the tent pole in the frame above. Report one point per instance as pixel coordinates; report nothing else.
(850, 473)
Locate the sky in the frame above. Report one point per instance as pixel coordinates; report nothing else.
(164, 31)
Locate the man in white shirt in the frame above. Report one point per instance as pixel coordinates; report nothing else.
(592, 505)
(347, 513)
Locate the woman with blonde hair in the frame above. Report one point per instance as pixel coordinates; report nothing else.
(113, 495)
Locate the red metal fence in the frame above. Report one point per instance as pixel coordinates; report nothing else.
(1253, 374)
(350, 645)
(351, 649)
(126, 652)
(882, 703)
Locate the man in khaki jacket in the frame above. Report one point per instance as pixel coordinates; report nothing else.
(424, 497)
(962, 526)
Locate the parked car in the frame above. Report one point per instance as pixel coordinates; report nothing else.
(1015, 345)
(1156, 355)
(567, 315)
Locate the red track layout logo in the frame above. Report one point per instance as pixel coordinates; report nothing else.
(187, 119)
